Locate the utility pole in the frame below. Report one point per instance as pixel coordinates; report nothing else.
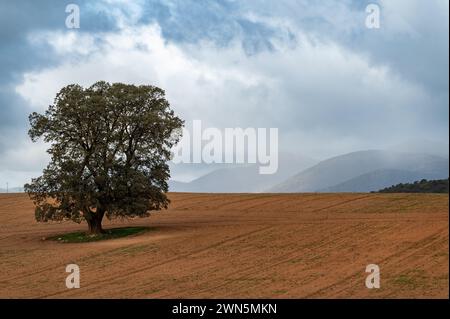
(7, 190)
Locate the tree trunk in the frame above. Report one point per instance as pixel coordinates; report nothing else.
(95, 223)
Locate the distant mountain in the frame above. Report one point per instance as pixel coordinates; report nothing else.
(422, 186)
(176, 186)
(378, 179)
(243, 179)
(184, 172)
(363, 170)
(227, 180)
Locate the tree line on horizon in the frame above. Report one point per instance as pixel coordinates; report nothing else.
(422, 186)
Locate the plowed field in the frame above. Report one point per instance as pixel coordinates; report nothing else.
(239, 245)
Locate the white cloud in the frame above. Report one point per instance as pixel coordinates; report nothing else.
(23, 162)
(413, 18)
(28, 157)
(317, 92)
(330, 85)
(68, 43)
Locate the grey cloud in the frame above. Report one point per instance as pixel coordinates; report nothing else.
(322, 106)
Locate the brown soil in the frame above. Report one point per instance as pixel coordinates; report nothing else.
(239, 245)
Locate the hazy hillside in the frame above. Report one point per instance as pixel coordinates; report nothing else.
(378, 179)
(334, 172)
(184, 172)
(243, 179)
(236, 179)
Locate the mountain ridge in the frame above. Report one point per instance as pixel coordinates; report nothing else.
(343, 168)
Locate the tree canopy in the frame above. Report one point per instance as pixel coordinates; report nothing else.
(109, 147)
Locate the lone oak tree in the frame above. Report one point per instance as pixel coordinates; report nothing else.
(110, 144)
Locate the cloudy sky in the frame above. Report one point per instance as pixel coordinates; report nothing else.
(310, 68)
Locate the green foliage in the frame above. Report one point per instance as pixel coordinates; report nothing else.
(110, 144)
(423, 186)
(82, 237)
